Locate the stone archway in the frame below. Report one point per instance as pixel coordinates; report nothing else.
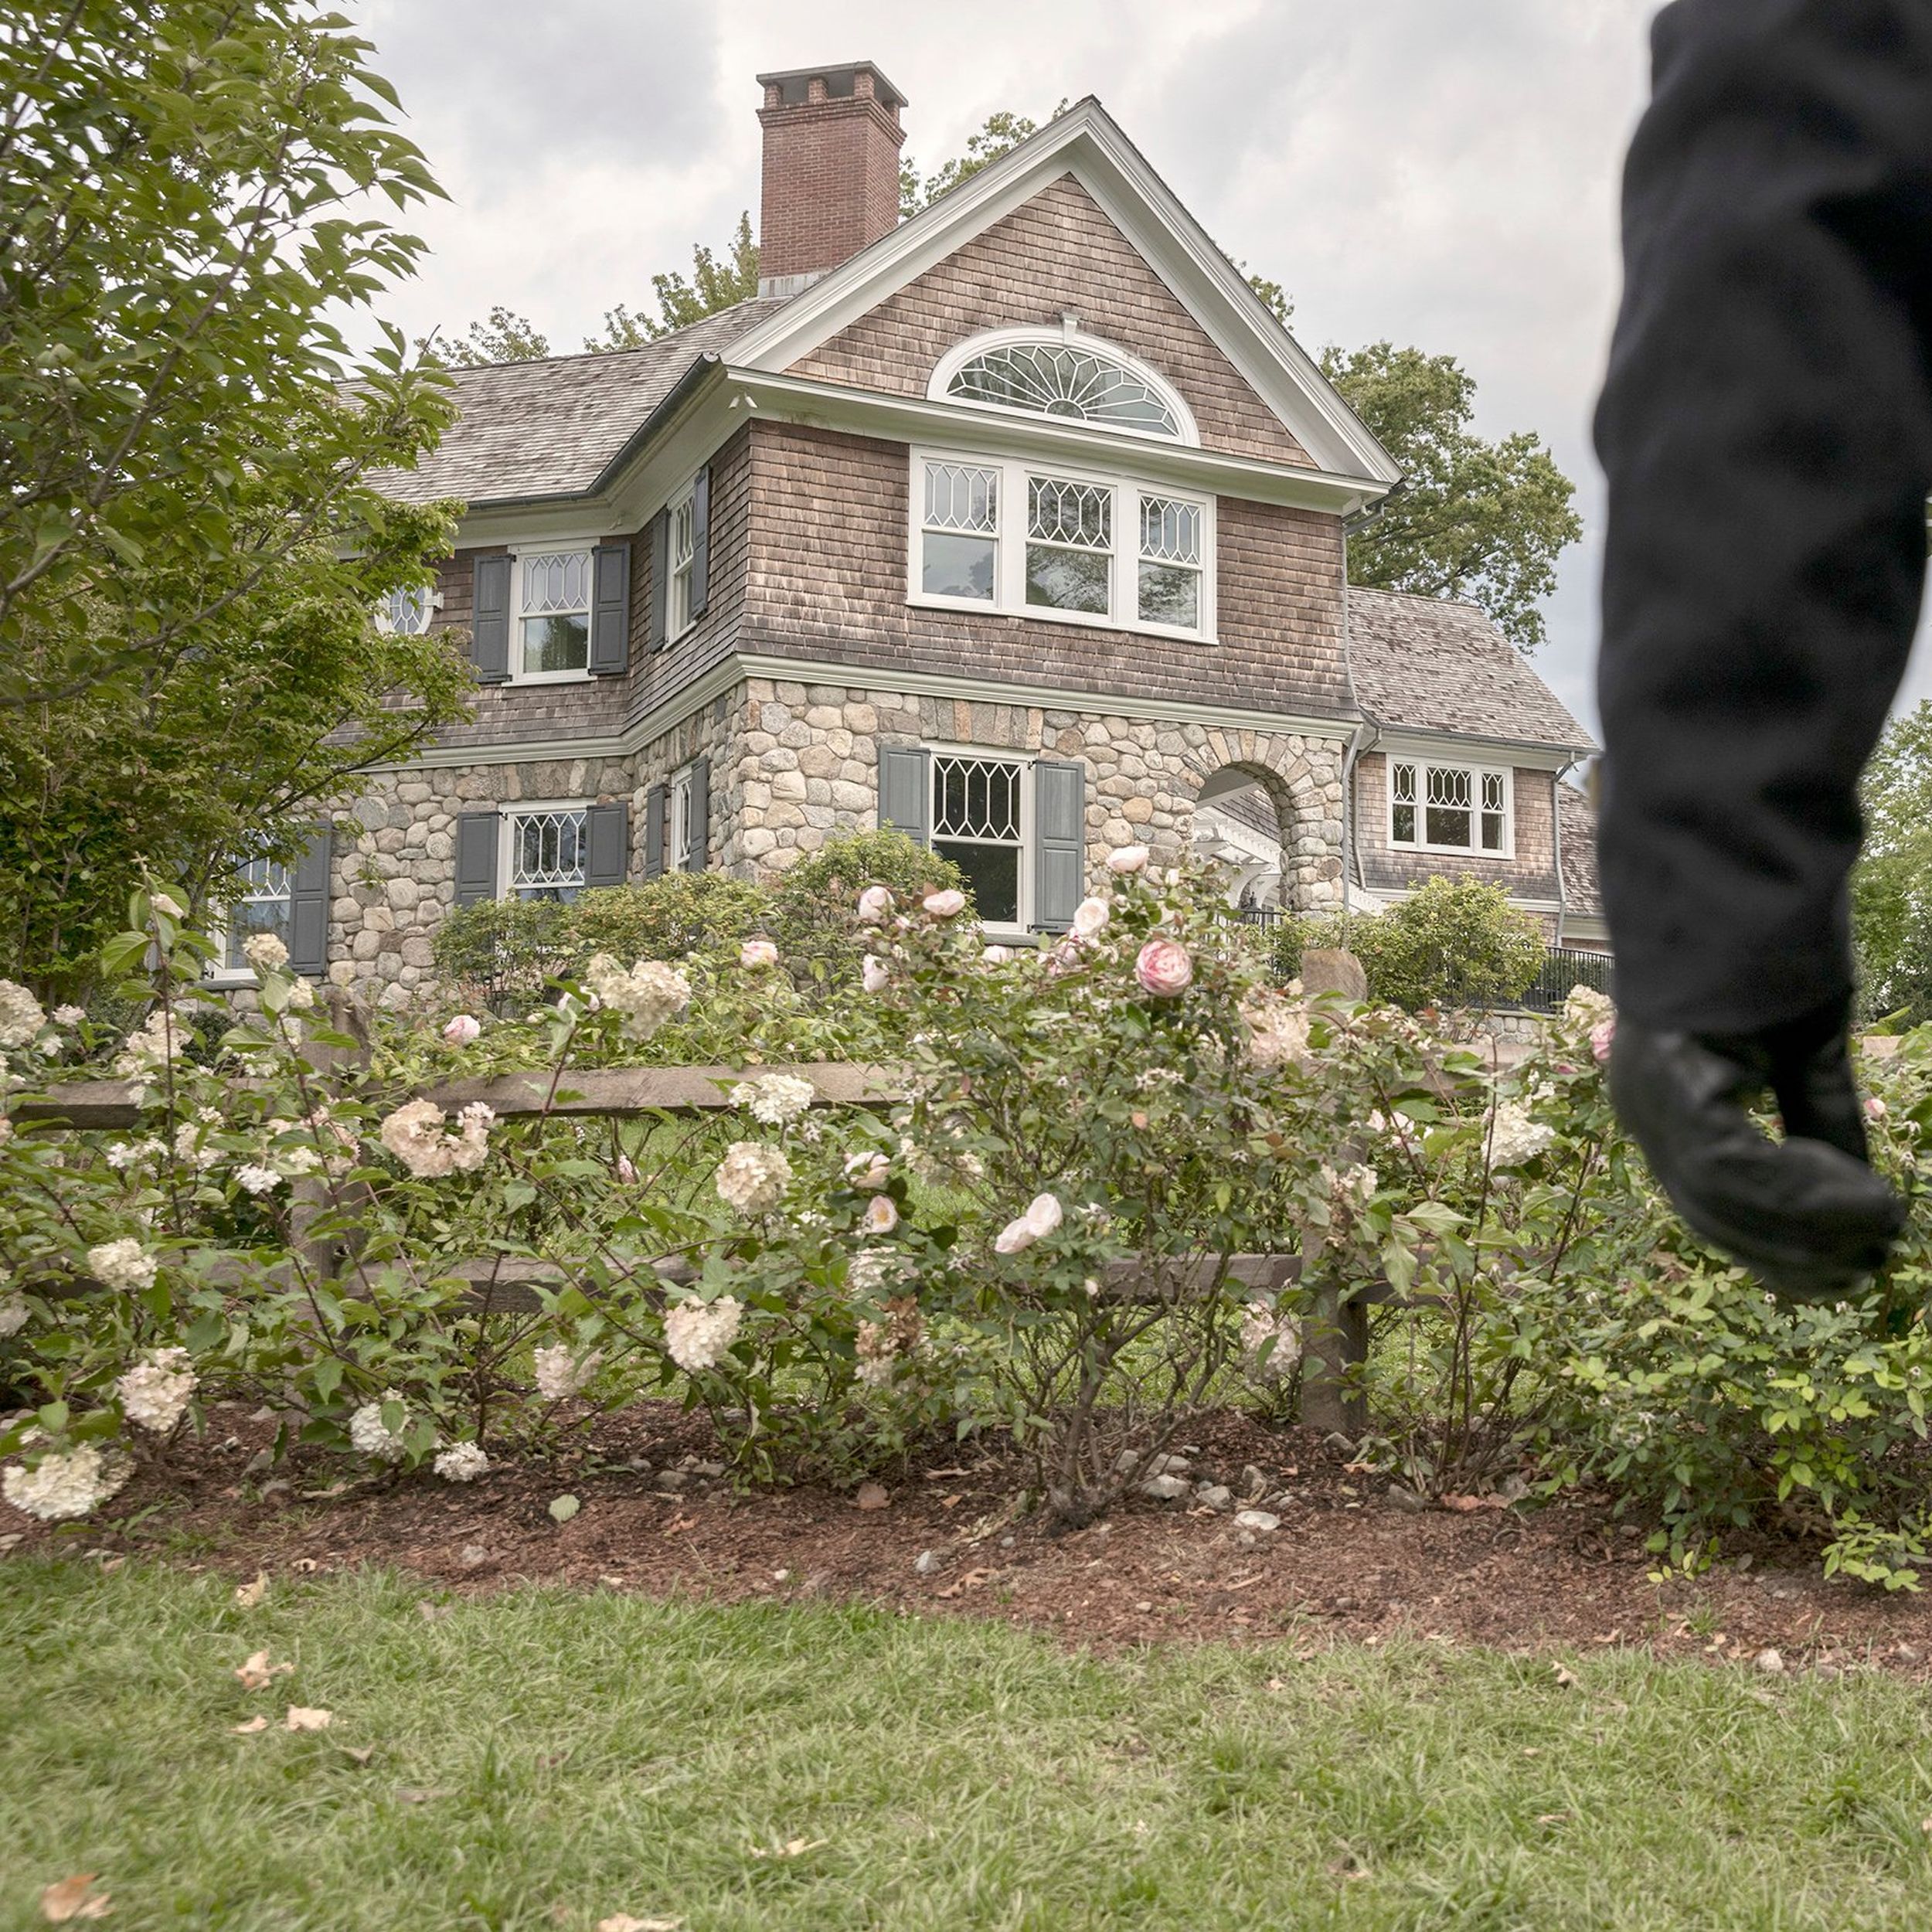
(1278, 798)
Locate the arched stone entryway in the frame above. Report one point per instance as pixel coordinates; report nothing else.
(1275, 805)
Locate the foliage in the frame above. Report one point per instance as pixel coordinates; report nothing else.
(717, 283)
(1476, 520)
(1450, 943)
(814, 916)
(1001, 131)
(504, 337)
(189, 192)
(1892, 884)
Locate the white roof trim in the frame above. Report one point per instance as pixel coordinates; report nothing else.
(1088, 144)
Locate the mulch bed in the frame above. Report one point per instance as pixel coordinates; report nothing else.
(1351, 1559)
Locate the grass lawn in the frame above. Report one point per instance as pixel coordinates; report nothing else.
(546, 1760)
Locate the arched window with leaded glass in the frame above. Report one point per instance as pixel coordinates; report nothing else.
(1067, 374)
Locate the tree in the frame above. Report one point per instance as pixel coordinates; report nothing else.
(1474, 519)
(717, 283)
(183, 189)
(1892, 884)
(505, 337)
(1001, 132)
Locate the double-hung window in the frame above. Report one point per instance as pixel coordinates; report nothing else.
(679, 615)
(263, 903)
(546, 851)
(979, 822)
(682, 851)
(552, 637)
(1038, 541)
(1435, 808)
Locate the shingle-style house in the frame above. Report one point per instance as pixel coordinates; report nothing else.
(1019, 524)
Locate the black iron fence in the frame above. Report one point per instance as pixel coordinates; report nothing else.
(1563, 967)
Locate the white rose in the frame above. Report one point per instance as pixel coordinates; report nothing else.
(875, 902)
(874, 976)
(464, 1030)
(1126, 858)
(1089, 916)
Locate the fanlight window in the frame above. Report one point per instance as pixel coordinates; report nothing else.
(1057, 379)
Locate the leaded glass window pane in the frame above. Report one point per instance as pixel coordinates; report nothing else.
(1048, 379)
(261, 905)
(1068, 563)
(1170, 531)
(405, 612)
(1494, 812)
(977, 825)
(1449, 796)
(960, 553)
(1170, 561)
(684, 548)
(555, 623)
(547, 854)
(961, 496)
(1060, 512)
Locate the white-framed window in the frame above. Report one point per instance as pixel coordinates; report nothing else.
(550, 637)
(982, 811)
(405, 612)
(1442, 808)
(1063, 373)
(678, 858)
(546, 851)
(1043, 541)
(678, 617)
(264, 903)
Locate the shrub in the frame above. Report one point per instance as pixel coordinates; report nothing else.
(1450, 943)
(816, 919)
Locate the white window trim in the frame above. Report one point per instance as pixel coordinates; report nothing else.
(432, 602)
(1478, 774)
(677, 811)
(219, 973)
(506, 835)
(518, 552)
(1009, 546)
(681, 499)
(1022, 930)
(1068, 335)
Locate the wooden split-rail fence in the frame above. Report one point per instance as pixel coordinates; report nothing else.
(1334, 1329)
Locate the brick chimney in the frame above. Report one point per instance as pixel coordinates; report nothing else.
(831, 184)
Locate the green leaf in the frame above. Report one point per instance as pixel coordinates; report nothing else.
(564, 1508)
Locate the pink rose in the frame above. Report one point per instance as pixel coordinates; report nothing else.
(874, 903)
(1875, 1108)
(881, 1215)
(994, 955)
(1164, 968)
(868, 1172)
(948, 904)
(626, 1172)
(1126, 858)
(462, 1031)
(1601, 1037)
(1089, 916)
(756, 954)
(874, 976)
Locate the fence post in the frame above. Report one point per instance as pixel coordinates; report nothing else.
(1333, 1352)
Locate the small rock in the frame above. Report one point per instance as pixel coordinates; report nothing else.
(473, 1557)
(873, 1495)
(1145, 1605)
(929, 1562)
(1165, 1488)
(1125, 1463)
(1402, 1498)
(259, 1463)
(1256, 1519)
(1254, 1480)
(711, 1469)
(1214, 1495)
(1007, 1543)
(638, 1466)
(672, 1479)
(1170, 1465)
(1770, 1662)
(1906, 1653)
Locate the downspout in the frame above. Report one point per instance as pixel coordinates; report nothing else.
(1557, 846)
(1367, 733)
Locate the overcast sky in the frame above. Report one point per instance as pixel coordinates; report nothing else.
(1439, 175)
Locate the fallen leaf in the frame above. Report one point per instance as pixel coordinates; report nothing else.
(564, 1508)
(74, 1898)
(623, 1922)
(249, 1729)
(950, 1503)
(257, 1673)
(793, 1848)
(250, 1595)
(934, 1475)
(322, 1495)
(431, 1613)
(1468, 1505)
(1566, 1679)
(420, 1793)
(361, 1753)
(301, 1718)
(873, 1495)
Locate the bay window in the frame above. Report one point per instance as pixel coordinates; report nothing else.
(1039, 541)
(1441, 808)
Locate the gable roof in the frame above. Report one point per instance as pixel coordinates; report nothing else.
(1086, 142)
(1576, 830)
(1426, 664)
(552, 428)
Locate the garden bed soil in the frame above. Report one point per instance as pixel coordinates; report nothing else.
(1354, 1557)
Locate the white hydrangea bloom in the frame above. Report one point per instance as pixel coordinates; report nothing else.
(126, 1153)
(21, 1014)
(1586, 1007)
(414, 1134)
(1270, 1340)
(155, 1393)
(265, 952)
(192, 1145)
(869, 1270)
(152, 1046)
(257, 1180)
(1277, 1031)
(463, 1462)
(752, 1178)
(560, 1375)
(775, 1099)
(13, 1313)
(372, 1437)
(645, 997)
(75, 1482)
(68, 1015)
(125, 1264)
(698, 1333)
(1514, 1137)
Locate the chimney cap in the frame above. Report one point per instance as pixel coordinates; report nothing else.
(834, 73)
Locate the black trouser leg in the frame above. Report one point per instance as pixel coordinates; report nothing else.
(1767, 430)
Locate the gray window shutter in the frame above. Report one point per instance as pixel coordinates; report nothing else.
(606, 838)
(611, 610)
(701, 541)
(906, 790)
(490, 621)
(697, 850)
(1060, 843)
(660, 577)
(308, 906)
(655, 801)
(476, 844)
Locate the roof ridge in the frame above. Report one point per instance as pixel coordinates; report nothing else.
(1423, 597)
(611, 354)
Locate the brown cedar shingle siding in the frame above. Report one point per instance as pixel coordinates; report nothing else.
(1531, 874)
(1057, 254)
(827, 578)
(1577, 820)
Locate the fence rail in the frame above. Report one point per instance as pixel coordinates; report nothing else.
(1563, 967)
(1335, 1328)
